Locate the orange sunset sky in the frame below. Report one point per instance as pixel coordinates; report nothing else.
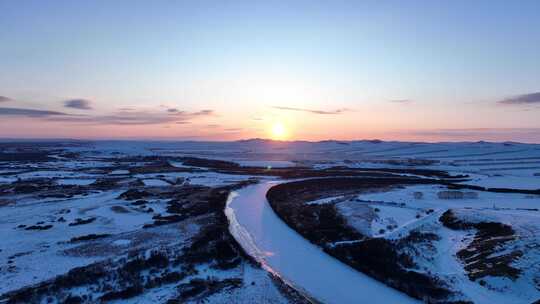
(300, 70)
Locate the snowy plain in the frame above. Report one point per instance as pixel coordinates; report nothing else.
(492, 165)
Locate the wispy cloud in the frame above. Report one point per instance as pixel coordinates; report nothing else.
(524, 99)
(203, 113)
(29, 112)
(320, 112)
(5, 99)
(134, 118)
(79, 104)
(402, 101)
(233, 130)
(121, 117)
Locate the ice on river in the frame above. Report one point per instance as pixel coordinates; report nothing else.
(295, 259)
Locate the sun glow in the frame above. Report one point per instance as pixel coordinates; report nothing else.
(279, 131)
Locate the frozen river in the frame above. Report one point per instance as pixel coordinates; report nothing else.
(281, 250)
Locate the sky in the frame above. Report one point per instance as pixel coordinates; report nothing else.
(294, 70)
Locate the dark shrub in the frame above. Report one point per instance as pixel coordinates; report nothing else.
(124, 294)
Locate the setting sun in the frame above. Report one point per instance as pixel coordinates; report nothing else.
(278, 131)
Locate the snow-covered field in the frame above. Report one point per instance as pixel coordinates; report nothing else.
(410, 211)
(72, 213)
(46, 205)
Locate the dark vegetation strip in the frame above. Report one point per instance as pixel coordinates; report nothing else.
(162, 164)
(496, 159)
(481, 256)
(503, 163)
(510, 168)
(25, 157)
(88, 237)
(39, 227)
(80, 221)
(486, 189)
(228, 167)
